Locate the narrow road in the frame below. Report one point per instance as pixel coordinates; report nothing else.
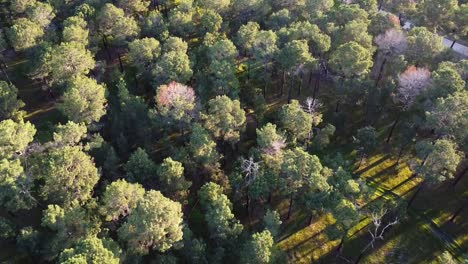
(458, 48)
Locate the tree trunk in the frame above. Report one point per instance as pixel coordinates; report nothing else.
(360, 161)
(415, 194)
(453, 43)
(340, 246)
(311, 218)
(5, 73)
(337, 108)
(359, 257)
(120, 62)
(310, 80)
(283, 81)
(266, 81)
(247, 203)
(400, 153)
(248, 69)
(291, 79)
(136, 80)
(316, 86)
(460, 175)
(382, 67)
(106, 46)
(290, 207)
(393, 128)
(457, 213)
(300, 85)
(269, 197)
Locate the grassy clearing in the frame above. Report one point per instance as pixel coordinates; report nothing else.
(412, 241)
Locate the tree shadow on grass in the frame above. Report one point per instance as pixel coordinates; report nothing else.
(374, 164)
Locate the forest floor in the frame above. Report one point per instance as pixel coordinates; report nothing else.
(425, 233)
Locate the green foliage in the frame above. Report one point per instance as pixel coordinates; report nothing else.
(218, 212)
(91, 250)
(68, 174)
(259, 249)
(324, 136)
(351, 60)
(317, 8)
(41, 13)
(272, 222)
(120, 199)
(69, 60)
(225, 118)
(450, 116)
(24, 34)
(440, 160)
(423, 46)
(171, 177)
(301, 170)
(221, 67)
(155, 26)
(202, 147)
(113, 22)
(15, 137)
(156, 223)
(295, 54)
(437, 14)
(140, 167)
(247, 35)
(296, 121)
(7, 229)
(20, 6)
(69, 134)
(9, 101)
(84, 100)
(70, 224)
(143, 53)
(133, 6)
(174, 64)
(15, 186)
(366, 139)
(446, 81)
(75, 29)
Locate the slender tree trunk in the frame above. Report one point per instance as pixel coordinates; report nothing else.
(316, 86)
(340, 246)
(382, 67)
(359, 257)
(311, 217)
(248, 69)
(5, 73)
(459, 210)
(460, 175)
(300, 85)
(360, 161)
(283, 81)
(247, 203)
(106, 46)
(291, 79)
(269, 197)
(392, 129)
(400, 153)
(337, 108)
(120, 62)
(416, 193)
(310, 80)
(136, 80)
(265, 79)
(290, 207)
(453, 43)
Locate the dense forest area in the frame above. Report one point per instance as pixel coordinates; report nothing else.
(234, 131)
